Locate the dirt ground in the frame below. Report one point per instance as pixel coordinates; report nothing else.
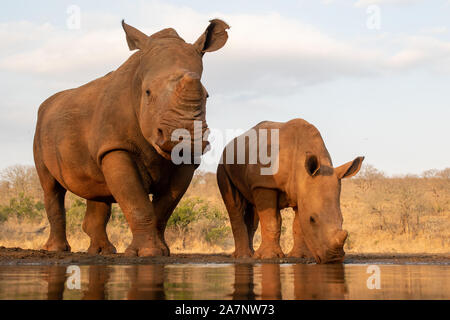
(17, 256)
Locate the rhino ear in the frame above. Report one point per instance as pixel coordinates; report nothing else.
(312, 164)
(135, 38)
(214, 37)
(349, 169)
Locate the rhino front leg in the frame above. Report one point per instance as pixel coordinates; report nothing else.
(125, 184)
(165, 203)
(299, 250)
(94, 224)
(266, 203)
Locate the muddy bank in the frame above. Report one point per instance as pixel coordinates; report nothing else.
(17, 256)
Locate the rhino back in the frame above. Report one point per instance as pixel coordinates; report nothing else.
(75, 126)
(296, 138)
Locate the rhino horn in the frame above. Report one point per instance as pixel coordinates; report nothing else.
(340, 238)
(189, 88)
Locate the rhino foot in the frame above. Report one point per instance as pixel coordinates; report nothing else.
(268, 252)
(101, 248)
(57, 246)
(239, 254)
(144, 252)
(299, 253)
(147, 248)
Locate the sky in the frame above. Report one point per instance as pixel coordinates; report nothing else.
(372, 75)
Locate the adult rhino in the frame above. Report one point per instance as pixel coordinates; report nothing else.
(110, 140)
(305, 181)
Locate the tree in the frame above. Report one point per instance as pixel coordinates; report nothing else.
(20, 179)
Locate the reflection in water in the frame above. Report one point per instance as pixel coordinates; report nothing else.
(240, 281)
(55, 277)
(319, 281)
(98, 278)
(270, 282)
(243, 282)
(147, 282)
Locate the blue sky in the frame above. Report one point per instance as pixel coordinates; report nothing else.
(382, 93)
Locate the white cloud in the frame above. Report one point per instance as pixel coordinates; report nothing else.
(434, 30)
(365, 3)
(48, 50)
(265, 53)
(267, 58)
(420, 51)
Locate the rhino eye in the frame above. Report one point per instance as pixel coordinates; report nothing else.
(312, 220)
(147, 92)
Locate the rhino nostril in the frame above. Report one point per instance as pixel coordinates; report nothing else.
(160, 136)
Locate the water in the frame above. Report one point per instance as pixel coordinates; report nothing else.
(221, 281)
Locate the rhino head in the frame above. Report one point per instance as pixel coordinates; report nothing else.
(319, 207)
(167, 87)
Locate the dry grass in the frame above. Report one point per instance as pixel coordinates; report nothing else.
(382, 215)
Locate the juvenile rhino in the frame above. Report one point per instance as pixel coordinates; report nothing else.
(110, 140)
(305, 181)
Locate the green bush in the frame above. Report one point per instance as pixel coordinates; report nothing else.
(185, 213)
(22, 207)
(217, 235)
(118, 217)
(194, 217)
(3, 216)
(216, 230)
(75, 214)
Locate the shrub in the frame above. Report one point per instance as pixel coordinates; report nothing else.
(198, 218)
(217, 235)
(3, 216)
(184, 214)
(22, 207)
(75, 214)
(216, 230)
(117, 216)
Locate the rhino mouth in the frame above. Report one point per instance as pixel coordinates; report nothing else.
(165, 154)
(336, 259)
(334, 256)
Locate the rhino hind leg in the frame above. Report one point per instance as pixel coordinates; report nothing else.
(251, 221)
(266, 203)
(94, 224)
(299, 249)
(236, 205)
(54, 195)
